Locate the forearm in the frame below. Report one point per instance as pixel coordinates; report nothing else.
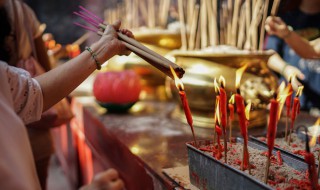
(61, 81)
(302, 47)
(276, 63)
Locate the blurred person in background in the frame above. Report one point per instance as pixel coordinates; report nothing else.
(302, 22)
(21, 45)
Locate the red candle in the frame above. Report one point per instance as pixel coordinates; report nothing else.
(231, 111)
(272, 127)
(223, 104)
(186, 108)
(289, 98)
(218, 154)
(242, 117)
(223, 109)
(310, 160)
(185, 104)
(243, 129)
(295, 108)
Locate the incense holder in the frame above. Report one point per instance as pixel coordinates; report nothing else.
(296, 149)
(206, 172)
(202, 67)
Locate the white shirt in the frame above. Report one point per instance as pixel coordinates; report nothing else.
(21, 102)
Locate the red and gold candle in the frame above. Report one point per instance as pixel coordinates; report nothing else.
(242, 118)
(184, 101)
(231, 115)
(295, 110)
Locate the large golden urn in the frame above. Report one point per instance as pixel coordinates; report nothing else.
(257, 83)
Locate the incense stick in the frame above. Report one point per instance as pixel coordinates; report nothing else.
(152, 57)
(182, 26)
(193, 29)
(262, 30)
(203, 17)
(275, 7)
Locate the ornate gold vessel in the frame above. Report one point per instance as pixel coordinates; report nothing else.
(201, 68)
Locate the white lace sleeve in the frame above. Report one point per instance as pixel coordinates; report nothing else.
(26, 94)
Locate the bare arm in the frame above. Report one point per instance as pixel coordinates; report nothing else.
(304, 48)
(59, 82)
(277, 64)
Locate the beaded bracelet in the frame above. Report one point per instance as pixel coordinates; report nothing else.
(288, 34)
(94, 56)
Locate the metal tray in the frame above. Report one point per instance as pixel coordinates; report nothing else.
(295, 156)
(208, 173)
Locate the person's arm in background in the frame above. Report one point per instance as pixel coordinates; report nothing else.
(304, 48)
(277, 64)
(42, 54)
(59, 82)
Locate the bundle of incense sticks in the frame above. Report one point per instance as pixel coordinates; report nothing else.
(241, 23)
(148, 55)
(138, 13)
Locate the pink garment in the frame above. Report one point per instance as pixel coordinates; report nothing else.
(21, 102)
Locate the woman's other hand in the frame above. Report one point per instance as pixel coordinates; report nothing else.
(107, 180)
(275, 26)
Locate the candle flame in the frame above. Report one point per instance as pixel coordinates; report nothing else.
(217, 114)
(231, 100)
(222, 81)
(216, 86)
(239, 73)
(283, 93)
(177, 81)
(247, 111)
(299, 91)
(315, 127)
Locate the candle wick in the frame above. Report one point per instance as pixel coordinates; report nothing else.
(275, 95)
(222, 85)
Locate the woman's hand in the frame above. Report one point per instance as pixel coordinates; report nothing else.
(275, 26)
(295, 73)
(107, 180)
(109, 44)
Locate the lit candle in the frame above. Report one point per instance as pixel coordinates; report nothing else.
(310, 160)
(223, 113)
(185, 104)
(272, 130)
(218, 130)
(288, 106)
(295, 110)
(276, 105)
(313, 140)
(217, 117)
(231, 115)
(242, 119)
(223, 104)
